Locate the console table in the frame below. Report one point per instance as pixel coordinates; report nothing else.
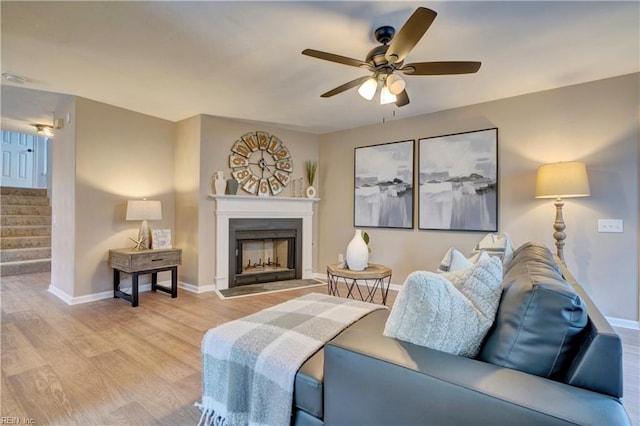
(140, 262)
(374, 277)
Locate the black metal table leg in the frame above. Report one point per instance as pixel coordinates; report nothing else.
(134, 289)
(154, 281)
(174, 282)
(116, 282)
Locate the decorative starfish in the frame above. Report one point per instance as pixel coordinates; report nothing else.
(139, 242)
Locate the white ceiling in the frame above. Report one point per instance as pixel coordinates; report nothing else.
(238, 59)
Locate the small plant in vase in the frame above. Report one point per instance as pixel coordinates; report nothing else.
(365, 237)
(312, 167)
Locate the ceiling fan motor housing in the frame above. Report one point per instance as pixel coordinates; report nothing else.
(384, 34)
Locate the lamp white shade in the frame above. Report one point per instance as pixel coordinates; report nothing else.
(386, 97)
(562, 180)
(395, 84)
(368, 89)
(144, 210)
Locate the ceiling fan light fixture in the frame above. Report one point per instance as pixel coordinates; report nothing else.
(386, 97)
(368, 89)
(395, 84)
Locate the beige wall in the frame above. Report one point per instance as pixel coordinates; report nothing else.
(594, 122)
(119, 155)
(187, 186)
(62, 194)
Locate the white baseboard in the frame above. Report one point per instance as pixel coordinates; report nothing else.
(60, 294)
(624, 323)
(197, 289)
(69, 300)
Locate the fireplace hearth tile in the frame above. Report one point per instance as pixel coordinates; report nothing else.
(261, 288)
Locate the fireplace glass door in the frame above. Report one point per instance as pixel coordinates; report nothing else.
(264, 259)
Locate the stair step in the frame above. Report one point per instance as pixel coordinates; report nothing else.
(23, 200)
(15, 255)
(25, 231)
(23, 220)
(32, 192)
(24, 242)
(25, 267)
(25, 210)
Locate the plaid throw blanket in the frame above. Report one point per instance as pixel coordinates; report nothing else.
(249, 365)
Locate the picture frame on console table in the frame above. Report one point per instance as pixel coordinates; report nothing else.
(161, 238)
(458, 181)
(383, 185)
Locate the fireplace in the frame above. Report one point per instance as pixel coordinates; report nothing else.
(264, 250)
(239, 207)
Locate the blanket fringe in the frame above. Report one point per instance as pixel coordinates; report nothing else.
(208, 417)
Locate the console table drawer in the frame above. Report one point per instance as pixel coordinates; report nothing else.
(132, 261)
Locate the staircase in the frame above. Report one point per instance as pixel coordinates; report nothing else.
(25, 236)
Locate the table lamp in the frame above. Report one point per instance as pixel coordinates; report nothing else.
(143, 210)
(561, 180)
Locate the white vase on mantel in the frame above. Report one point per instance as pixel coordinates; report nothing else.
(219, 183)
(357, 255)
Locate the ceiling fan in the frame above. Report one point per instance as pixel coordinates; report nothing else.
(382, 61)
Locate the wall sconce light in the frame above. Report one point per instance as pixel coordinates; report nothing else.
(557, 180)
(143, 210)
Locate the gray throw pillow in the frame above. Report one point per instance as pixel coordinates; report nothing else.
(432, 311)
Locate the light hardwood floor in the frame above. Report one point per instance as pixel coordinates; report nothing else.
(106, 363)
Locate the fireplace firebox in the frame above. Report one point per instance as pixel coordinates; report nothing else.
(264, 250)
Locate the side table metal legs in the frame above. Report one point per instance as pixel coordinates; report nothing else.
(354, 285)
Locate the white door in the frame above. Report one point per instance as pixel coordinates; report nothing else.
(17, 160)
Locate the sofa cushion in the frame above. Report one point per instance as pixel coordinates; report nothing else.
(540, 317)
(432, 311)
(309, 381)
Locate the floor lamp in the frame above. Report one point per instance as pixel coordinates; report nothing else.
(144, 210)
(561, 180)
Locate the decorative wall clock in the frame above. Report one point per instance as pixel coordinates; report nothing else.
(261, 163)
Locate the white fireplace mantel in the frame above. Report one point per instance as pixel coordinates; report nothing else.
(253, 207)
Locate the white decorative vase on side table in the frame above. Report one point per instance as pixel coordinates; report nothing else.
(357, 255)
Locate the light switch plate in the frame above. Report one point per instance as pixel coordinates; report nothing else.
(610, 225)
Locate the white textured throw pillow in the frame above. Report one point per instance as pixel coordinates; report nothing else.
(454, 260)
(432, 311)
(499, 245)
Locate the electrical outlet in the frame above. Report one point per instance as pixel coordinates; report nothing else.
(610, 225)
(340, 258)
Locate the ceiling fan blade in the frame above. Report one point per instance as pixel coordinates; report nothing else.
(335, 58)
(409, 35)
(402, 99)
(441, 68)
(344, 87)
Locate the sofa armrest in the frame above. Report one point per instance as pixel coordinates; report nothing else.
(376, 380)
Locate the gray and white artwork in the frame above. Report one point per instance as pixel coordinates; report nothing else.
(384, 185)
(458, 182)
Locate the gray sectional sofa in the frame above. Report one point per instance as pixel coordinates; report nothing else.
(550, 358)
